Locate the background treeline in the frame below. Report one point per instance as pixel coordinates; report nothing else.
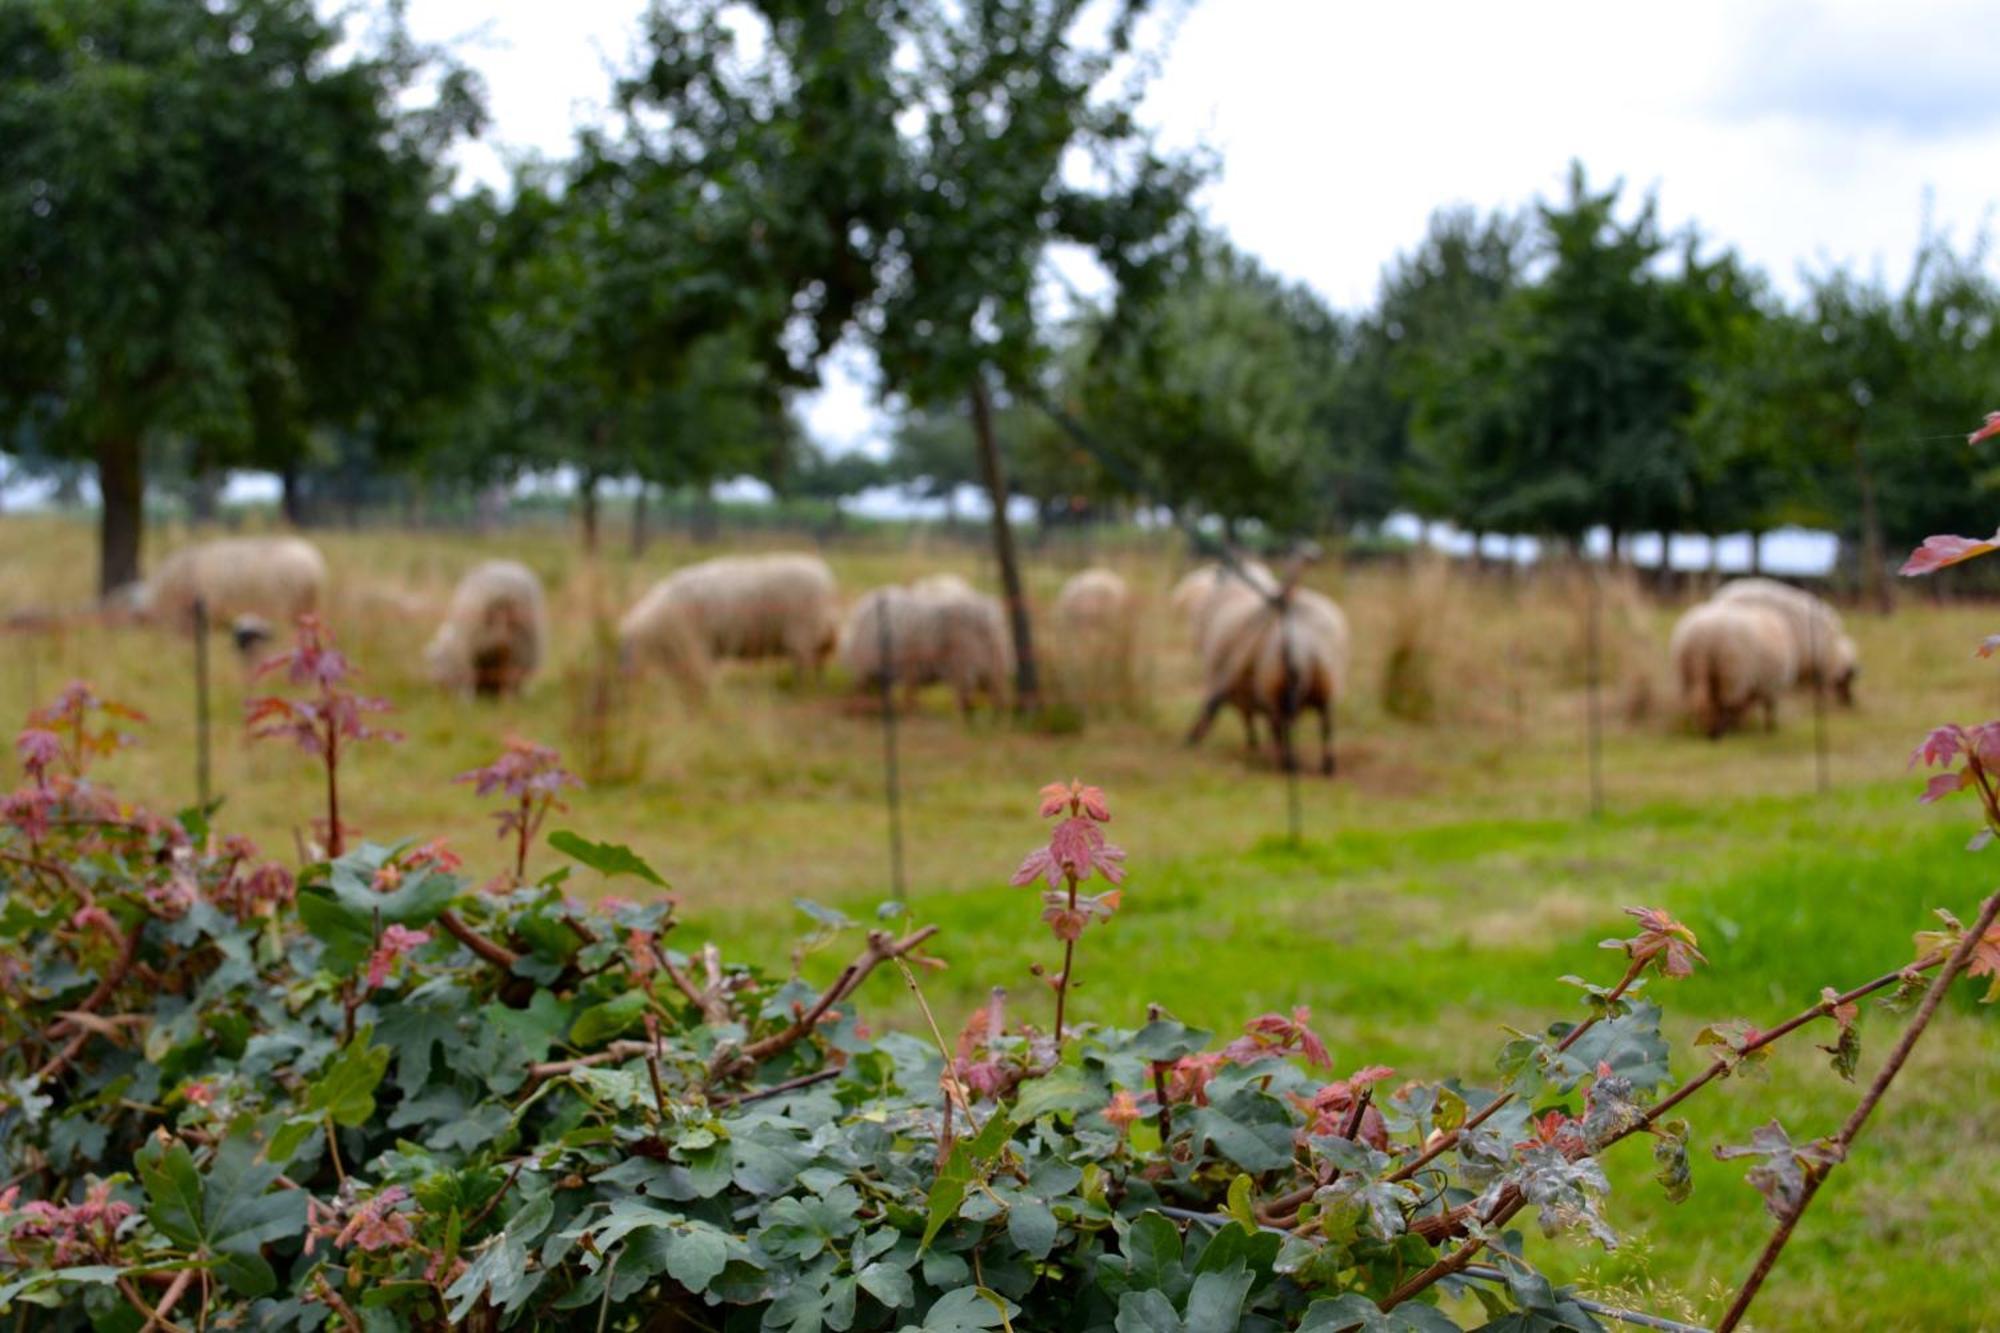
(230, 241)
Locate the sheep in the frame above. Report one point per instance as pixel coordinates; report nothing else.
(1824, 653)
(1093, 619)
(1274, 656)
(492, 635)
(247, 583)
(1194, 597)
(1729, 655)
(940, 630)
(742, 607)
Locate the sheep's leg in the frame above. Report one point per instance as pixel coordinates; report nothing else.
(1326, 763)
(1250, 731)
(1281, 733)
(1206, 718)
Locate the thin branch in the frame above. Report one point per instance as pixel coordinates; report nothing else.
(1511, 1201)
(156, 1316)
(128, 954)
(1960, 957)
(880, 949)
(1449, 1141)
(497, 954)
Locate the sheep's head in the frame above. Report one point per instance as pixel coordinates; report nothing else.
(445, 657)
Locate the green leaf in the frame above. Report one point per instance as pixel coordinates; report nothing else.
(607, 858)
(1163, 1039)
(1147, 1312)
(1215, 1304)
(968, 1310)
(1239, 1206)
(696, 1255)
(887, 1283)
(1253, 1148)
(344, 1092)
(1031, 1225)
(348, 936)
(1066, 1090)
(600, 1023)
(230, 1215)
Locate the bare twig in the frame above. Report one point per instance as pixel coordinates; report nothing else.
(128, 954)
(156, 1315)
(879, 949)
(495, 953)
(1858, 1118)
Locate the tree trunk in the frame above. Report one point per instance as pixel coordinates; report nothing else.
(1027, 682)
(1757, 553)
(639, 520)
(586, 504)
(121, 485)
(1874, 563)
(291, 503)
(203, 494)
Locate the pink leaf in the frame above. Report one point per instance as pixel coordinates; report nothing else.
(1986, 431)
(1937, 552)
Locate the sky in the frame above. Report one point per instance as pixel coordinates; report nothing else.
(1802, 134)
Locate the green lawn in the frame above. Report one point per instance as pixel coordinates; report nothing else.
(1446, 880)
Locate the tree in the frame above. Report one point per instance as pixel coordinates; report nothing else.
(172, 267)
(1567, 408)
(1214, 390)
(1004, 98)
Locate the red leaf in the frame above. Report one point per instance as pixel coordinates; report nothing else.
(1937, 552)
(1986, 431)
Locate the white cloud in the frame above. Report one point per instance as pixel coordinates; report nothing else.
(1800, 133)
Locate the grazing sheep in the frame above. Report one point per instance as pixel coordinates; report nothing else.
(744, 607)
(1729, 655)
(1824, 653)
(1094, 623)
(491, 638)
(1274, 657)
(941, 631)
(1195, 597)
(246, 583)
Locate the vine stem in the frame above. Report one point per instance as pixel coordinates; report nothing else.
(1858, 1118)
(1511, 1202)
(1069, 962)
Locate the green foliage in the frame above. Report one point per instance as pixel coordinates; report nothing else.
(171, 264)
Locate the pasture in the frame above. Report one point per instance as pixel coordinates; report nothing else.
(1446, 879)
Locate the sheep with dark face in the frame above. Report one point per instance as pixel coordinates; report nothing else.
(249, 584)
(493, 633)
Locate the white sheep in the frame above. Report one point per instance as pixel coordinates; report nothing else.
(1728, 656)
(735, 607)
(1820, 645)
(247, 583)
(1195, 597)
(1274, 656)
(940, 631)
(492, 636)
(1095, 630)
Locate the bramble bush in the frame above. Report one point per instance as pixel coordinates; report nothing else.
(368, 1093)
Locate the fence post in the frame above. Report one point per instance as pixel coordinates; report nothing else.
(1820, 777)
(1594, 720)
(201, 771)
(891, 770)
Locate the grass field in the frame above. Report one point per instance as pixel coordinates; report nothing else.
(1444, 883)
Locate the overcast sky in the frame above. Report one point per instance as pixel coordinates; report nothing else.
(1800, 133)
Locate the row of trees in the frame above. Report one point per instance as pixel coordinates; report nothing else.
(231, 242)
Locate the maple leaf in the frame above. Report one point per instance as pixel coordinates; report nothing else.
(1843, 1014)
(1783, 1167)
(1665, 940)
(1940, 747)
(1270, 1035)
(1940, 551)
(1987, 430)
(1123, 1111)
(1078, 797)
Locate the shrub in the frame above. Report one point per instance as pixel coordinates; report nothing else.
(367, 1095)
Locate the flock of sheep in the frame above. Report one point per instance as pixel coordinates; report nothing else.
(1752, 641)
(1268, 647)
